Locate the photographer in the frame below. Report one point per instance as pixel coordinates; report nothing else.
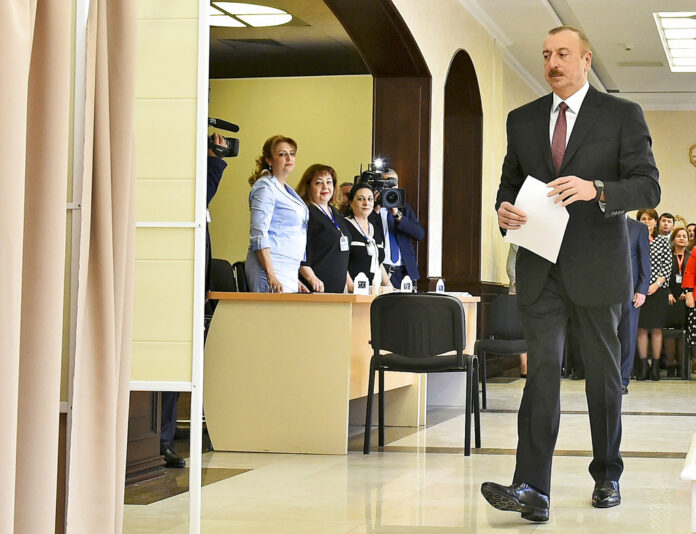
(400, 226)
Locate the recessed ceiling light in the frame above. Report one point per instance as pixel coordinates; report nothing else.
(678, 34)
(239, 8)
(266, 20)
(247, 15)
(223, 21)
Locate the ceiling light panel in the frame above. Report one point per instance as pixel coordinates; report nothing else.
(239, 8)
(223, 21)
(678, 35)
(258, 21)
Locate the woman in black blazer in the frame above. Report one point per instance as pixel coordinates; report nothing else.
(326, 263)
(676, 314)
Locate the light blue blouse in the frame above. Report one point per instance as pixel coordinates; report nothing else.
(278, 219)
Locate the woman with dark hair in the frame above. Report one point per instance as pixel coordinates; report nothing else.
(328, 244)
(688, 285)
(366, 245)
(653, 314)
(676, 313)
(278, 232)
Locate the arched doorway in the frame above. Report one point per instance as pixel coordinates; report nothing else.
(463, 143)
(401, 101)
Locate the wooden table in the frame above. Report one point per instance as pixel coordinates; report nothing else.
(282, 370)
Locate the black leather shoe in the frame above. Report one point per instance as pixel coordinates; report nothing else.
(606, 494)
(624, 390)
(520, 497)
(172, 459)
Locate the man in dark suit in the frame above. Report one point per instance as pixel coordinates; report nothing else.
(639, 247)
(400, 227)
(594, 152)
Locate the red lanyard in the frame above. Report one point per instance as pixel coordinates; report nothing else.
(680, 261)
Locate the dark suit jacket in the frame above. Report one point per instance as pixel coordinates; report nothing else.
(610, 142)
(409, 228)
(639, 246)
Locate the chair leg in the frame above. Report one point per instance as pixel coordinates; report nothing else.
(467, 418)
(368, 412)
(482, 373)
(381, 408)
(477, 412)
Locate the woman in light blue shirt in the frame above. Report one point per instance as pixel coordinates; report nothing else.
(278, 233)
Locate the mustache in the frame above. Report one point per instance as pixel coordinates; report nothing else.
(555, 72)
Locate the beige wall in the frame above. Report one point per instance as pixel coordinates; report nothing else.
(456, 29)
(165, 131)
(673, 133)
(329, 117)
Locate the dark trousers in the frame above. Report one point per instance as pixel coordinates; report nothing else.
(169, 399)
(628, 333)
(396, 274)
(545, 324)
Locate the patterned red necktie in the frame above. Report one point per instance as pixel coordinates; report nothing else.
(558, 143)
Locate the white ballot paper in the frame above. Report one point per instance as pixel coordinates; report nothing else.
(546, 221)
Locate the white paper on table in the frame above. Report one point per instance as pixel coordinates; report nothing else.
(546, 221)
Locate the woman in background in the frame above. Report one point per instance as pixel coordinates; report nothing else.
(328, 244)
(366, 245)
(278, 232)
(653, 314)
(676, 313)
(688, 285)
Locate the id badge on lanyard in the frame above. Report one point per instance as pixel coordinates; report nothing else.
(345, 246)
(678, 278)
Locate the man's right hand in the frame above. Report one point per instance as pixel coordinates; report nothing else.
(510, 217)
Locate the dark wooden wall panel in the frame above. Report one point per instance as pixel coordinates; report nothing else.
(402, 98)
(462, 165)
(143, 460)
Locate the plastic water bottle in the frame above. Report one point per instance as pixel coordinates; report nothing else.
(361, 285)
(406, 285)
(440, 286)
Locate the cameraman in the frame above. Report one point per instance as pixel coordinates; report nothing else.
(400, 226)
(216, 166)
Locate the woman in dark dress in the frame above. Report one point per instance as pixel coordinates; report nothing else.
(326, 263)
(366, 244)
(676, 313)
(653, 314)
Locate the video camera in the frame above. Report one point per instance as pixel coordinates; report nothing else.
(385, 188)
(231, 150)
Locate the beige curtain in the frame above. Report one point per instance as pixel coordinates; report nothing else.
(107, 251)
(34, 133)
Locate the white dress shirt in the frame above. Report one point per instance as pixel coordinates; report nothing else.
(574, 103)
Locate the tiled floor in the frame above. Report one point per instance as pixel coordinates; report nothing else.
(405, 490)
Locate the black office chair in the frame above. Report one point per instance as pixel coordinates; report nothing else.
(415, 331)
(506, 337)
(685, 353)
(223, 277)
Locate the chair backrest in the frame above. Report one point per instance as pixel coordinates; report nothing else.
(504, 318)
(417, 325)
(240, 276)
(221, 276)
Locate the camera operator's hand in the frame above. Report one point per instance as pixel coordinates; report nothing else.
(219, 141)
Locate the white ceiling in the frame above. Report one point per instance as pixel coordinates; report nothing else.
(628, 57)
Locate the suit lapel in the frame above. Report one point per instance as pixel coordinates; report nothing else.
(589, 113)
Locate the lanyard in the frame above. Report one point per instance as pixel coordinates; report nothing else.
(357, 224)
(680, 261)
(330, 215)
